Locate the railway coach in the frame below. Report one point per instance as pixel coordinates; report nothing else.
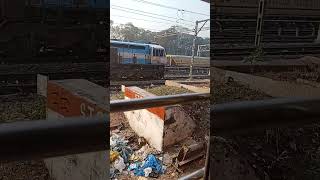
(139, 53)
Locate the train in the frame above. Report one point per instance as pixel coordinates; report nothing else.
(53, 30)
(145, 61)
(139, 53)
(149, 53)
(127, 70)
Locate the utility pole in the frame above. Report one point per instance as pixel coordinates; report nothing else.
(259, 27)
(196, 32)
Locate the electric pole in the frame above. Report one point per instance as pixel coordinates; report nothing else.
(196, 32)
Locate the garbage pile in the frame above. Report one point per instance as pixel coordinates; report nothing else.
(129, 161)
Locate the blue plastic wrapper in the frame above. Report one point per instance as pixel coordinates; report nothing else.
(152, 162)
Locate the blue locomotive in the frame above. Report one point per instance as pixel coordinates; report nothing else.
(139, 53)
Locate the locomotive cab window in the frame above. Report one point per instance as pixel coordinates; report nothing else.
(161, 53)
(137, 47)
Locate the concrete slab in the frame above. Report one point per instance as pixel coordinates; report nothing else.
(77, 97)
(160, 126)
(269, 86)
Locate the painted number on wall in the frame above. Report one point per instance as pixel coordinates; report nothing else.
(89, 111)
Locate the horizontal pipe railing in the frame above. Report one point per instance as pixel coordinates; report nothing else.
(50, 138)
(248, 116)
(157, 101)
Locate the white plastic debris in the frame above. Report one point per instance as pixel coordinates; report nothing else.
(147, 171)
(119, 164)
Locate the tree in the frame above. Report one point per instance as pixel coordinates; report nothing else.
(175, 39)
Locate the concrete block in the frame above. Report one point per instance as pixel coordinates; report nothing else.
(42, 82)
(77, 97)
(269, 86)
(160, 126)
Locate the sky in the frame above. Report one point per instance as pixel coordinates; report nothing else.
(162, 14)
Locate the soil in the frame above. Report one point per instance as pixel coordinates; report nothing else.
(232, 91)
(291, 76)
(204, 85)
(276, 154)
(17, 108)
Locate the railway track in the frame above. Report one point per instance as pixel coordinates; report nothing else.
(271, 51)
(21, 78)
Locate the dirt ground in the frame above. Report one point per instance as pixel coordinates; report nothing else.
(16, 108)
(204, 85)
(292, 76)
(198, 111)
(275, 154)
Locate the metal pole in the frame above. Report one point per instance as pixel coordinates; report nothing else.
(207, 165)
(193, 48)
(195, 175)
(51, 138)
(259, 23)
(318, 37)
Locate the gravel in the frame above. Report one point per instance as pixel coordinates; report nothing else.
(18, 108)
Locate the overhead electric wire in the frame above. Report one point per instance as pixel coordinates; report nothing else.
(169, 7)
(149, 29)
(152, 13)
(147, 20)
(140, 19)
(151, 16)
